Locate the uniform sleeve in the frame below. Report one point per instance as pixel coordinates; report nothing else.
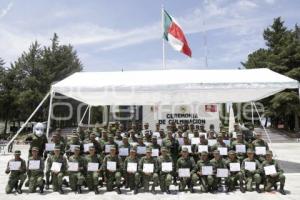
(140, 166)
(103, 166)
(49, 164)
(23, 166)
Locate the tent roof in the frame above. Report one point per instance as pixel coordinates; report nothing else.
(172, 86)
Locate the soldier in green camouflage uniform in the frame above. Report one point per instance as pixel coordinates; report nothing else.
(239, 141)
(165, 178)
(271, 180)
(57, 176)
(252, 176)
(259, 142)
(76, 178)
(35, 176)
(132, 178)
(92, 177)
(185, 161)
(218, 162)
(234, 176)
(206, 181)
(147, 177)
(74, 141)
(125, 144)
(112, 176)
(16, 175)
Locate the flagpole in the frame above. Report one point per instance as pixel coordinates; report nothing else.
(163, 39)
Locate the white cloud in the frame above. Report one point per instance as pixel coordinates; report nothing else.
(4, 11)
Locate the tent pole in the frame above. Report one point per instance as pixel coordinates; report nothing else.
(29, 118)
(49, 113)
(268, 136)
(89, 119)
(252, 113)
(84, 114)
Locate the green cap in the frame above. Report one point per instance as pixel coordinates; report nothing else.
(112, 147)
(17, 152)
(77, 148)
(216, 152)
(164, 149)
(184, 149)
(35, 149)
(133, 150)
(204, 153)
(57, 147)
(269, 152)
(154, 137)
(185, 135)
(148, 150)
(250, 151)
(92, 147)
(231, 152)
(110, 135)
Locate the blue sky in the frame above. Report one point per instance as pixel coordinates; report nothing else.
(109, 35)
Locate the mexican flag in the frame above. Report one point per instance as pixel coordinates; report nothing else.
(174, 35)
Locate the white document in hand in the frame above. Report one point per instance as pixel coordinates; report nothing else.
(155, 152)
(260, 150)
(87, 146)
(235, 167)
(189, 147)
(34, 164)
(166, 166)
(222, 172)
(56, 167)
(207, 170)
(227, 142)
(73, 166)
(250, 166)
(195, 140)
(148, 168)
(269, 170)
(92, 167)
(240, 148)
(73, 146)
(50, 146)
(141, 150)
(131, 167)
(107, 148)
(212, 142)
(123, 152)
(202, 148)
(111, 166)
(223, 151)
(14, 165)
(180, 141)
(184, 172)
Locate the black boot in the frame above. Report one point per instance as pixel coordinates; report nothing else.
(19, 189)
(275, 186)
(192, 189)
(136, 190)
(47, 184)
(60, 190)
(242, 188)
(168, 190)
(16, 186)
(118, 190)
(42, 189)
(258, 190)
(79, 189)
(281, 190)
(96, 190)
(153, 189)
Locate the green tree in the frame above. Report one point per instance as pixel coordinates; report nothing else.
(282, 55)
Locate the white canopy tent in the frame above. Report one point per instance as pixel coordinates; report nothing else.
(168, 87)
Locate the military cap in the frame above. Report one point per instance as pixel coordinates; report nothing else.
(125, 137)
(58, 129)
(74, 131)
(269, 152)
(57, 147)
(154, 137)
(133, 150)
(17, 152)
(54, 135)
(164, 149)
(139, 137)
(93, 133)
(250, 151)
(219, 135)
(202, 135)
(112, 147)
(146, 123)
(257, 133)
(35, 149)
(216, 152)
(185, 135)
(148, 149)
(239, 133)
(203, 153)
(231, 152)
(184, 149)
(74, 135)
(92, 147)
(77, 148)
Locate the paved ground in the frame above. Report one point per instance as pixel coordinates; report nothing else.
(287, 152)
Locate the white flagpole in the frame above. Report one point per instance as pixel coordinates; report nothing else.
(163, 39)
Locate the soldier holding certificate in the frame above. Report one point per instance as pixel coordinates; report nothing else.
(56, 167)
(239, 146)
(74, 142)
(166, 167)
(203, 170)
(148, 167)
(273, 173)
(35, 171)
(219, 165)
(17, 169)
(260, 146)
(76, 169)
(130, 172)
(251, 171)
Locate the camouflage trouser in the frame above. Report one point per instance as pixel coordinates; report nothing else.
(234, 178)
(75, 178)
(271, 181)
(205, 181)
(57, 180)
(133, 179)
(92, 180)
(165, 180)
(147, 179)
(250, 178)
(35, 181)
(185, 181)
(112, 177)
(13, 180)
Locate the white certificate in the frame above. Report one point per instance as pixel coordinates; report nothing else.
(73, 166)
(189, 147)
(207, 170)
(107, 147)
(223, 151)
(235, 167)
(180, 141)
(191, 135)
(56, 167)
(72, 147)
(159, 141)
(92, 167)
(123, 152)
(14, 165)
(131, 167)
(87, 146)
(205, 135)
(270, 170)
(195, 140)
(222, 172)
(119, 142)
(234, 134)
(212, 142)
(166, 166)
(141, 150)
(34, 164)
(111, 165)
(155, 152)
(50, 146)
(250, 166)
(184, 172)
(260, 150)
(148, 168)
(227, 142)
(240, 148)
(202, 148)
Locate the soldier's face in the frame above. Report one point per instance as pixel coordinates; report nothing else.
(132, 154)
(185, 154)
(164, 153)
(250, 155)
(56, 152)
(269, 157)
(92, 151)
(113, 152)
(217, 156)
(34, 153)
(17, 156)
(55, 139)
(77, 152)
(231, 156)
(204, 157)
